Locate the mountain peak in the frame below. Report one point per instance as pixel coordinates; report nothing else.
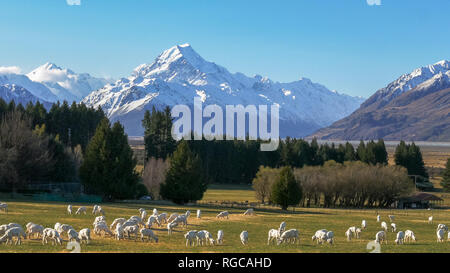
(50, 66)
(184, 51)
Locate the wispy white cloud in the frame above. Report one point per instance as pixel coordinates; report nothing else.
(73, 2)
(10, 70)
(373, 2)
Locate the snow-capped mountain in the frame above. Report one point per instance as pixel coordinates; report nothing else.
(66, 84)
(35, 88)
(416, 106)
(19, 94)
(179, 74)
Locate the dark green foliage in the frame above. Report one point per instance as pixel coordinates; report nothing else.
(286, 191)
(158, 137)
(446, 177)
(108, 168)
(184, 181)
(410, 157)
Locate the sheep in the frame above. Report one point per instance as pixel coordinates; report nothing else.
(384, 226)
(4, 207)
(155, 212)
(13, 225)
(448, 236)
(409, 236)
(35, 229)
(11, 233)
(380, 237)
(152, 219)
(358, 233)
(244, 237)
(143, 214)
(282, 227)
(145, 232)
(162, 218)
(209, 238)
(137, 219)
(181, 219)
(57, 225)
(391, 218)
(172, 217)
(99, 219)
(442, 226)
(64, 229)
(119, 231)
(272, 236)
(72, 235)
(100, 210)
(393, 227)
(199, 214)
(3, 229)
(84, 235)
(219, 237)
(95, 209)
(440, 235)
(101, 227)
(249, 212)
(200, 237)
(69, 209)
(430, 220)
(223, 214)
(349, 234)
(131, 230)
(116, 221)
(190, 237)
(378, 218)
(291, 235)
(53, 234)
(187, 214)
(319, 235)
(363, 224)
(81, 210)
(330, 237)
(400, 238)
(129, 223)
(171, 226)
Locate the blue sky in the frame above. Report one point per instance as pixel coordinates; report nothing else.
(347, 45)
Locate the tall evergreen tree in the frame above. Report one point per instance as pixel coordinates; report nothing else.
(446, 177)
(158, 133)
(286, 191)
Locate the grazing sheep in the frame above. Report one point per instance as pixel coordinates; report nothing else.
(64, 229)
(102, 229)
(84, 235)
(119, 232)
(34, 229)
(69, 209)
(172, 217)
(116, 221)
(244, 237)
(99, 219)
(349, 234)
(442, 226)
(223, 214)
(400, 238)
(187, 214)
(52, 234)
(358, 233)
(384, 226)
(380, 237)
(4, 207)
(137, 219)
(440, 235)
(57, 226)
(171, 226)
(409, 236)
(199, 214)
(131, 230)
(181, 219)
(200, 237)
(162, 218)
(72, 235)
(3, 229)
(11, 233)
(81, 210)
(291, 236)
(393, 227)
(282, 227)
(155, 212)
(100, 210)
(319, 235)
(249, 212)
(391, 218)
(190, 237)
(95, 209)
(13, 225)
(330, 237)
(152, 219)
(448, 236)
(209, 238)
(145, 232)
(220, 237)
(272, 236)
(430, 220)
(363, 224)
(143, 214)
(378, 218)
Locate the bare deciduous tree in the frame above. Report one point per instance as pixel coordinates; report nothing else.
(154, 175)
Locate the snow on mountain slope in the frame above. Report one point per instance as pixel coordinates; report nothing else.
(18, 94)
(37, 89)
(66, 84)
(179, 74)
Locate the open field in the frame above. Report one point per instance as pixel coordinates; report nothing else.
(307, 221)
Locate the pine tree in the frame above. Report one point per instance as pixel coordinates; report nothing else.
(446, 177)
(108, 168)
(184, 180)
(361, 152)
(286, 191)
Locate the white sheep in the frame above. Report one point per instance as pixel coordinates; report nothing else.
(145, 232)
(209, 238)
(378, 218)
(52, 234)
(249, 212)
(219, 237)
(430, 220)
(200, 237)
(171, 226)
(84, 235)
(72, 235)
(393, 227)
(330, 237)
(116, 221)
(16, 232)
(223, 214)
(99, 219)
(188, 213)
(358, 233)
(244, 237)
(181, 219)
(384, 226)
(69, 209)
(138, 220)
(282, 228)
(4, 207)
(64, 229)
(319, 235)
(129, 230)
(442, 226)
(409, 236)
(440, 235)
(272, 236)
(349, 234)
(363, 224)
(3, 229)
(448, 236)
(172, 217)
(13, 225)
(162, 218)
(95, 209)
(400, 238)
(81, 210)
(102, 229)
(155, 212)
(35, 229)
(391, 218)
(152, 219)
(143, 214)
(380, 237)
(57, 225)
(190, 237)
(291, 236)
(199, 214)
(119, 231)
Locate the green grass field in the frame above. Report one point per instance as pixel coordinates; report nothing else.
(307, 221)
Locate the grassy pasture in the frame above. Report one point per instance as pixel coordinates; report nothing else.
(307, 221)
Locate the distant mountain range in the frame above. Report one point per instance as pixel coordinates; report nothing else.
(20, 95)
(179, 74)
(416, 106)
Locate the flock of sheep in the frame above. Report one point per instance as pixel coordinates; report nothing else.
(139, 226)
